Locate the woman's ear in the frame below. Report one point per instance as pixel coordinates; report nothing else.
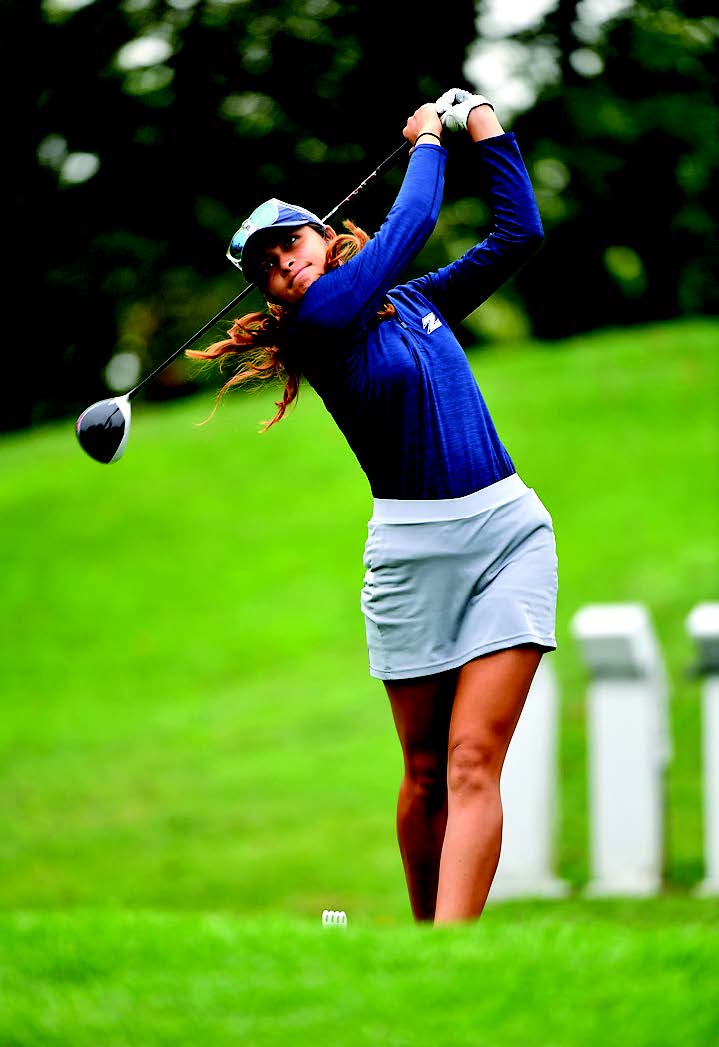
(330, 234)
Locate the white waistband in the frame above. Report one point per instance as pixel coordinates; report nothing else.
(409, 510)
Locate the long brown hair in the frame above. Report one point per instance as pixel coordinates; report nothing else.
(254, 343)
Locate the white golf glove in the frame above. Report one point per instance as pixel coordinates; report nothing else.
(455, 105)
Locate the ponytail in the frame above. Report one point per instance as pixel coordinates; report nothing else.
(253, 342)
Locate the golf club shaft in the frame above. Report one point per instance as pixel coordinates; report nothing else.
(218, 316)
(380, 169)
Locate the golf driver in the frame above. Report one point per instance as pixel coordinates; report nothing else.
(104, 427)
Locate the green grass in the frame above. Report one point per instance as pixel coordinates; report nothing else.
(188, 725)
(545, 975)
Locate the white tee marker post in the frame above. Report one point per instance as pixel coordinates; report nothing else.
(629, 746)
(529, 798)
(703, 626)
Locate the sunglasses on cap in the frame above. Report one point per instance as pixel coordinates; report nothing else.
(261, 218)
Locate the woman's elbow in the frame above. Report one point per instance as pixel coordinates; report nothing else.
(535, 235)
(424, 230)
(531, 240)
(430, 222)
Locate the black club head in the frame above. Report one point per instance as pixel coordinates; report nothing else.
(103, 429)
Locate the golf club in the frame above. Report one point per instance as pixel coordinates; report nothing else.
(104, 427)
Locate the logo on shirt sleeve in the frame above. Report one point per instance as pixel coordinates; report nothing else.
(430, 323)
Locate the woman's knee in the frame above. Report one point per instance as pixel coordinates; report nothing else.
(473, 768)
(425, 775)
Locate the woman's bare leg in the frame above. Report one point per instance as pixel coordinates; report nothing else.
(488, 701)
(422, 710)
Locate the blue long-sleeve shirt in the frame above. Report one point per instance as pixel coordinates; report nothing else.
(401, 390)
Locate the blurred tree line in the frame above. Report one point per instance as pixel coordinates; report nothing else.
(149, 128)
(624, 157)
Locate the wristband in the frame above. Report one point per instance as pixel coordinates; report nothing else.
(427, 133)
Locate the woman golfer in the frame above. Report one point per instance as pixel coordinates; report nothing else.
(459, 595)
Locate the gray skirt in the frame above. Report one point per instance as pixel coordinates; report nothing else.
(448, 580)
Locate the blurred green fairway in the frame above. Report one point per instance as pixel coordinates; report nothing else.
(194, 761)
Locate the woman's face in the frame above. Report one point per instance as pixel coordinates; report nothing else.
(292, 262)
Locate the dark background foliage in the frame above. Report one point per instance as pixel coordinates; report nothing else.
(301, 100)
